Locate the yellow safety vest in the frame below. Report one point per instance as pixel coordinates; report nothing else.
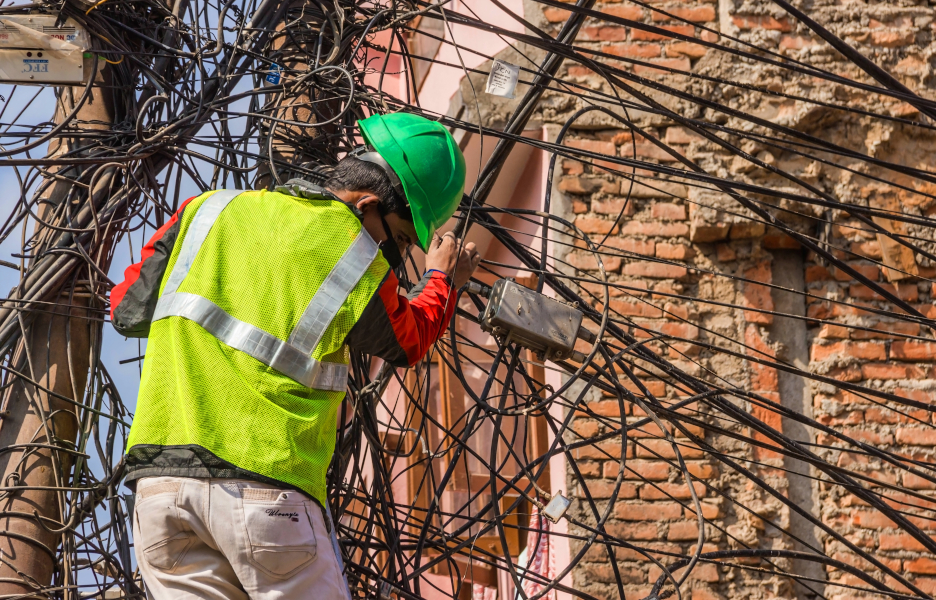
(246, 355)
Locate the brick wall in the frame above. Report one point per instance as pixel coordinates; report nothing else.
(678, 239)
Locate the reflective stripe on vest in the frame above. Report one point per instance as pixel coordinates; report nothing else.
(291, 358)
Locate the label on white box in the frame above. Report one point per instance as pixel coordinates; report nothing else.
(40, 32)
(46, 66)
(502, 81)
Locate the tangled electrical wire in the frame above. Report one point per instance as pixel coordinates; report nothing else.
(659, 463)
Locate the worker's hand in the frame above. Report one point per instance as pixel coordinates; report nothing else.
(444, 255)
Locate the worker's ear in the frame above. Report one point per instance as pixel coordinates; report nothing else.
(366, 202)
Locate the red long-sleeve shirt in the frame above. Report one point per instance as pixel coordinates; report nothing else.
(399, 329)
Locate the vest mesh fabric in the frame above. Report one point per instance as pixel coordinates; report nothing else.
(262, 262)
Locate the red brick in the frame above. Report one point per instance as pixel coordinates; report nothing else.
(597, 572)
(899, 541)
(596, 146)
(667, 491)
(644, 511)
(880, 415)
(698, 14)
(630, 12)
(662, 448)
(779, 241)
(650, 150)
(884, 371)
(816, 273)
(654, 386)
(869, 271)
(905, 291)
(704, 572)
(589, 262)
(854, 417)
(756, 295)
(676, 311)
(893, 39)
(653, 548)
(668, 212)
(916, 437)
(686, 331)
(615, 206)
(762, 22)
(646, 430)
(646, 469)
(702, 470)
(585, 428)
(915, 351)
(883, 331)
(918, 395)
(655, 229)
(768, 417)
(870, 437)
(763, 378)
(633, 531)
(860, 350)
(594, 225)
(610, 449)
(680, 135)
(639, 34)
(579, 71)
(725, 253)
(871, 519)
(828, 331)
(921, 565)
(606, 408)
(687, 49)
(628, 244)
(915, 482)
(679, 64)
(586, 185)
(634, 50)
(686, 530)
(654, 269)
(602, 488)
(579, 207)
(604, 34)
(636, 309)
(572, 167)
(847, 374)
(556, 15)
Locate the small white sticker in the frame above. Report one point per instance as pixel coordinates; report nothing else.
(502, 80)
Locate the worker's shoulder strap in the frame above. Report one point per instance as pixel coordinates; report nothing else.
(292, 357)
(300, 188)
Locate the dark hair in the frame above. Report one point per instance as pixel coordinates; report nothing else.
(353, 175)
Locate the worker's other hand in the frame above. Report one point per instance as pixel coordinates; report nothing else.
(444, 256)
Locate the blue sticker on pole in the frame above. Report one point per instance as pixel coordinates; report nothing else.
(273, 75)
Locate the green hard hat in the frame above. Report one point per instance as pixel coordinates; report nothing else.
(426, 161)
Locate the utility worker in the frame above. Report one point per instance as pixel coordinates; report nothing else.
(251, 301)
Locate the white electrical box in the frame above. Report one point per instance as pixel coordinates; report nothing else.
(34, 50)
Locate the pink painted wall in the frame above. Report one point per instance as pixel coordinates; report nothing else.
(443, 80)
(522, 185)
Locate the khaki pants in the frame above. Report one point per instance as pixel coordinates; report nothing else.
(233, 539)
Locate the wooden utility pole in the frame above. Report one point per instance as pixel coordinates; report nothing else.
(40, 426)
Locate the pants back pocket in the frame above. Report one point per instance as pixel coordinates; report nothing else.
(279, 530)
(165, 539)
